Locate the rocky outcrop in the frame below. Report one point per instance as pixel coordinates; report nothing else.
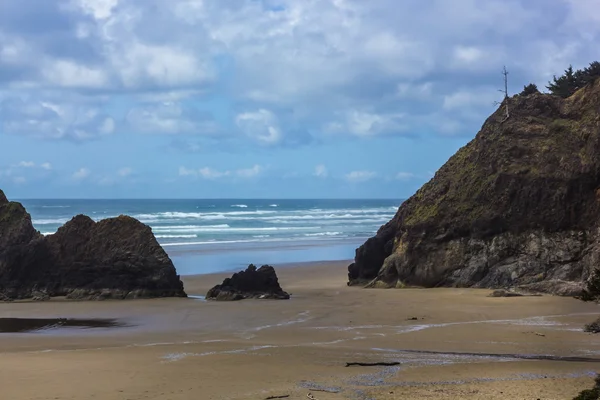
(16, 228)
(517, 207)
(261, 283)
(116, 258)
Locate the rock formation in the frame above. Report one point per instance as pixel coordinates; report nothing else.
(517, 207)
(115, 258)
(261, 283)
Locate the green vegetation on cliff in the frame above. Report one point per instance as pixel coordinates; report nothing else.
(498, 181)
(571, 81)
(529, 89)
(532, 179)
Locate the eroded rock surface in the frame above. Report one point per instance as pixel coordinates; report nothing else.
(517, 207)
(115, 258)
(253, 283)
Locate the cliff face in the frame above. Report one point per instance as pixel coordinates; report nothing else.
(115, 258)
(516, 207)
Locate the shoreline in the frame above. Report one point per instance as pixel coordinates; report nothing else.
(200, 260)
(458, 342)
(264, 244)
(278, 267)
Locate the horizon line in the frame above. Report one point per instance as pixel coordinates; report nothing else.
(209, 198)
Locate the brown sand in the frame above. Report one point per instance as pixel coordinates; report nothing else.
(191, 349)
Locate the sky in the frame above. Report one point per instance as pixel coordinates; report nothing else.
(263, 98)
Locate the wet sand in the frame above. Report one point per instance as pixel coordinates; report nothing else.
(451, 344)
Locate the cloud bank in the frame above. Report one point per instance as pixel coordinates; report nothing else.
(276, 71)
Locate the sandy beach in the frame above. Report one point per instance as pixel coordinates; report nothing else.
(450, 343)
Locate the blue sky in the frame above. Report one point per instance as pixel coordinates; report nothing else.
(262, 98)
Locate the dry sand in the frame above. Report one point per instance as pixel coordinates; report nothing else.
(191, 349)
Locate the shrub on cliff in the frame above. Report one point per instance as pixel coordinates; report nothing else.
(529, 89)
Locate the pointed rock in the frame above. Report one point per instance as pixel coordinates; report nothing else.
(261, 283)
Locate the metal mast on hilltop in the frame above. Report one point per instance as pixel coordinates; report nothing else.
(505, 91)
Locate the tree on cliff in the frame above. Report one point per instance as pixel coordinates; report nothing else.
(566, 84)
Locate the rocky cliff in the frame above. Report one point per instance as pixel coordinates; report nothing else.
(115, 258)
(518, 206)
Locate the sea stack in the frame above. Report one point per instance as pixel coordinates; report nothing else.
(116, 258)
(253, 283)
(517, 207)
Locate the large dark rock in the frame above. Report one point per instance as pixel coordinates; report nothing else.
(116, 258)
(518, 206)
(261, 283)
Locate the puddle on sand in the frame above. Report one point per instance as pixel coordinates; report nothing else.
(24, 325)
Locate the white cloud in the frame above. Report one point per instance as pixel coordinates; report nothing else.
(400, 56)
(277, 71)
(99, 9)
(405, 176)
(249, 172)
(183, 171)
(211, 173)
(81, 174)
(170, 118)
(261, 126)
(107, 126)
(470, 103)
(69, 74)
(367, 124)
(166, 66)
(360, 176)
(459, 99)
(478, 58)
(468, 54)
(54, 119)
(25, 171)
(321, 171)
(125, 172)
(415, 91)
(106, 181)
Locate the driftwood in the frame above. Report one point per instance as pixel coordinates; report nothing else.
(283, 396)
(374, 364)
(326, 390)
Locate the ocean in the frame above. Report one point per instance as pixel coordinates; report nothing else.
(204, 236)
